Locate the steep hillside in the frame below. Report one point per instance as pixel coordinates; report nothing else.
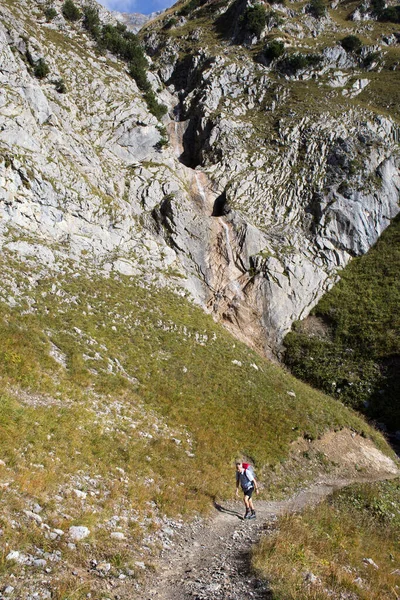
(292, 113)
(265, 177)
(123, 402)
(350, 345)
(122, 410)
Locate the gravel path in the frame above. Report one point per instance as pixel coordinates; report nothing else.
(211, 560)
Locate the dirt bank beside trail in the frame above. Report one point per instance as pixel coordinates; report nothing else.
(210, 559)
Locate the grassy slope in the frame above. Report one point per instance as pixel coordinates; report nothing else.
(332, 542)
(358, 361)
(356, 358)
(139, 449)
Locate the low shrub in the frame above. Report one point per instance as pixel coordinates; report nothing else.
(273, 50)
(293, 63)
(317, 8)
(156, 109)
(60, 86)
(50, 13)
(190, 7)
(255, 19)
(91, 21)
(41, 69)
(137, 73)
(70, 11)
(370, 58)
(170, 23)
(391, 14)
(351, 43)
(377, 6)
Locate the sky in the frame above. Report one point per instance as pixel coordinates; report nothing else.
(137, 6)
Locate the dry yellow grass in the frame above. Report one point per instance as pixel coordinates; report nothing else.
(336, 542)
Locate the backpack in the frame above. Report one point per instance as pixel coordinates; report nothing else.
(248, 468)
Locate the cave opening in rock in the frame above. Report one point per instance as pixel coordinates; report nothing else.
(221, 207)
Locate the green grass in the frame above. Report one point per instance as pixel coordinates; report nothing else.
(142, 407)
(357, 357)
(332, 542)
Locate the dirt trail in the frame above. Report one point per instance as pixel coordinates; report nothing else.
(211, 561)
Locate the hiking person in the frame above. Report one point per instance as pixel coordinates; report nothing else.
(245, 478)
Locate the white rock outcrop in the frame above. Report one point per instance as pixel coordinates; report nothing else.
(254, 207)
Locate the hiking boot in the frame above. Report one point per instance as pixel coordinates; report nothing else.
(247, 515)
(252, 515)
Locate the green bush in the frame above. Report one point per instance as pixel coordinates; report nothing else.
(70, 11)
(190, 7)
(351, 43)
(293, 63)
(60, 86)
(91, 21)
(137, 73)
(156, 109)
(370, 58)
(170, 23)
(377, 6)
(255, 19)
(50, 13)
(41, 69)
(274, 49)
(317, 8)
(391, 14)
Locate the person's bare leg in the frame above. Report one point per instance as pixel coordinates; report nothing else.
(247, 505)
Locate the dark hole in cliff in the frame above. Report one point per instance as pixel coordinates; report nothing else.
(221, 207)
(195, 143)
(190, 154)
(181, 75)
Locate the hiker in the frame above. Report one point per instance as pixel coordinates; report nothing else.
(245, 478)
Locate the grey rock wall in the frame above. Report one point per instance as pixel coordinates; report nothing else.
(252, 208)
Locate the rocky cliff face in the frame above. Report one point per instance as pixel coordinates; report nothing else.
(271, 181)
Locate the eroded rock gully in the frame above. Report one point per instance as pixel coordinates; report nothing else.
(289, 209)
(276, 204)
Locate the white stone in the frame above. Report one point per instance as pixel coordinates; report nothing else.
(18, 557)
(103, 567)
(369, 561)
(80, 494)
(78, 532)
(117, 535)
(39, 562)
(8, 590)
(33, 516)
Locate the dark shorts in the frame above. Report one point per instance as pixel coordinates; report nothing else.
(249, 492)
